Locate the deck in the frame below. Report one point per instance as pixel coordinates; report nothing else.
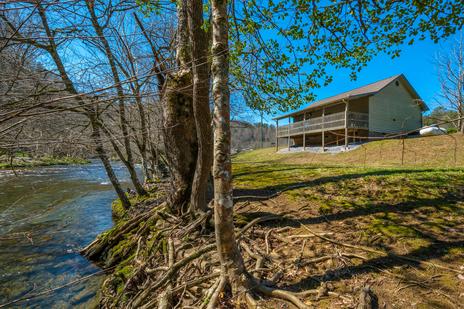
(328, 122)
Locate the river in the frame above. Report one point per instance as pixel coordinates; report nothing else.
(46, 215)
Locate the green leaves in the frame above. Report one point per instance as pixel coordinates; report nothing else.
(147, 7)
(282, 50)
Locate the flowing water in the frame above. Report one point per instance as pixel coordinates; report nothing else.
(46, 215)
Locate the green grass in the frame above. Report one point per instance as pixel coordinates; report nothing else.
(24, 161)
(408, 206)
(118, 211)
(435, 151)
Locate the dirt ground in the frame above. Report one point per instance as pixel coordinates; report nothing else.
(334, 232)
(315, 233)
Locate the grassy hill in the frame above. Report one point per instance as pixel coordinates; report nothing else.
(433, 151)
(399, 229)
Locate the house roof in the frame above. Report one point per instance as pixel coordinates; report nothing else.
(367, 90)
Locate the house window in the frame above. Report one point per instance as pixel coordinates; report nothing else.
(397, 83)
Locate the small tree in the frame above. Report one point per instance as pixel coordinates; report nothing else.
(441, 114)
(451, 76)
(342, 34)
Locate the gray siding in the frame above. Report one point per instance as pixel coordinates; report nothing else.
(393, 110)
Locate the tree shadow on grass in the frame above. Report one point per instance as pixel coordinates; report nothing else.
(263, 169)
(436, 249)
(447, 200)
(264, 193)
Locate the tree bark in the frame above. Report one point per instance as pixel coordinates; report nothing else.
(157, 164)
(120, 92)
(232, 266)
(201, 110)
(142, 145)
(179, 124)
(460, 115)
(99, 148)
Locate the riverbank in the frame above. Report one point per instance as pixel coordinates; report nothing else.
(328, 234)
(29, 162)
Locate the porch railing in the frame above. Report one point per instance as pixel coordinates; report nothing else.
(328, 122)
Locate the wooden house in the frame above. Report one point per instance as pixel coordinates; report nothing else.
(386, 107)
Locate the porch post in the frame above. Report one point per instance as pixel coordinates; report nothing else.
(304, 130)
(288, 133)
(323, 129)
(346, 124)
(277, 135)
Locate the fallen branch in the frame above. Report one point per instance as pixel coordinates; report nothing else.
(306, 235)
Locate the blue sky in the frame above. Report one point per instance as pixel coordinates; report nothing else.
(416, 62)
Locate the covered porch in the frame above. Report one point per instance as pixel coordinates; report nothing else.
(334, 125)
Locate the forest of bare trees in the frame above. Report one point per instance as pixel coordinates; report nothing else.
(246, 136)
(109, 112)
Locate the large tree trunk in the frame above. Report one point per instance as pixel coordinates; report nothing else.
(233, 269)
(120, 92)
(180, 136)
(179, 125)
(202, 114)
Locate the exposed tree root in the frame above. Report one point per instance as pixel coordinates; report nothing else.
(162, 261)
(166, 261)
(281, 294)
(406, 258)
(214, 297)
